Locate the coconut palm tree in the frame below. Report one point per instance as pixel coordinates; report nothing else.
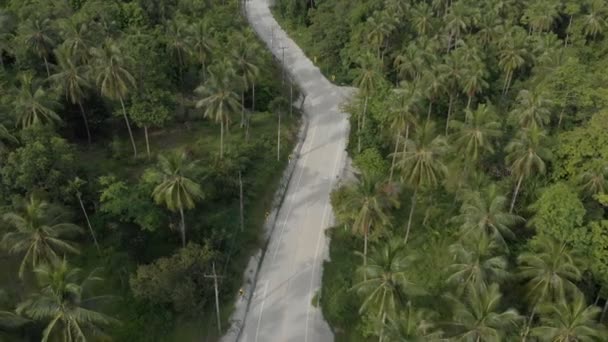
(423, 19)
(72, 79)
(472, 80)
(6, 46)
(113, 78)
(178, 45)
(511, 55)
(433, 85)
(452, 75)
(218, 97)
(38, 234)
(478, 317)
(595, 21)
(371, 199)
(38, 35)
(477, 262)
(6, 139)
(402, 117)
(385, 282)
(421, 163)
(63, 305)
(202, 43)
(74, 186)
(367, 77)
(595, 180)
(532, 108)
(76, 40)
(176, 190)
(485, 213)
(569, 319)
(245, 59)
(32, 104)
(412, 325)
(526, 156)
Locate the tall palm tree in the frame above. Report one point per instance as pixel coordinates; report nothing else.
(570, 320)
(72, 79)
(477, 262)
(176, 190)
(63, 305)
(402, 117)
(472, 80)
(532, 108)
(218, 97)
(245, 58)
(178, 45)
(412, 325)
(409, 62)
(423, 19)
(77, 40)
(540, 15)
(367, 77)
(33, 106)
(433, 85)
(485, 212)
(595, 21)
(511, 55)
(476, 135)
(595, 180)
(526, 156)
(202, 43)
(113, 78)
(371, 199)
(452, 75)
(39, 234)
(421, 163)
(39, 37)
(477, 318)
(385, 282)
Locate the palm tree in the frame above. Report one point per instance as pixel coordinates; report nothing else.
(477, 318)
(409, 62)
(178, 45)
(370, 198)
(6, 138)
(473, 81)
(74, 187)
(412, 325)
(39, 37)
(6, 45)
(595, 180)
(33, 105)
(421, 163)
(72, 79)
(113, 79)
(433, 83)
(423, 19)
(540, 15)
(403, 117)
(385, 282)
(452, 74)
(202, 43)
(62, 303)
(219, 98)
(367, 77)
(77, 40)
(38, 233)
(511, 55)
(380, 26)
(595, 22)
(484, 213)
(570, 320)
(476, 262)
(532, 109)
(475, 136)
(176, 191)
(245, 58)
(526, 156)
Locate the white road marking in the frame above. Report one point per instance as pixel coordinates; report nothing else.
(304, 160)
(257, 330)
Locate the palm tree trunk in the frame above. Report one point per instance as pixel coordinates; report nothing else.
(365, 250)
(507, 83)
(364, 112)
(561, 116)
(86, 216)
(521, 178)
(604, 311)
(242, 216)
(182, 228)
(359, 134)
(86, 122)
(469, 102)
(252, 96)
(447, 121)
(46, 65)
(390, 178)
(409, 220)
(124, 113)
(279, 138)
(222, 138)
(428, 114)
(382, 327)
(147, 140)
(242, 108)
(568, 32)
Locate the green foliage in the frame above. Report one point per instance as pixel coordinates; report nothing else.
(370, 162)
(152, 108)
(178, 280)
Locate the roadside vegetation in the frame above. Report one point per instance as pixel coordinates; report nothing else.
(139, 154)
(479, 131)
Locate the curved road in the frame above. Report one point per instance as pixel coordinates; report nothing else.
(280, 309)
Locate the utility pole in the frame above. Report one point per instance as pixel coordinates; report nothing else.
(283, 63)
(217, 297)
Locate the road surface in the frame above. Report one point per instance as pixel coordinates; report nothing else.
(290, 274)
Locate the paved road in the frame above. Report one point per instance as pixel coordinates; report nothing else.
(291, 270)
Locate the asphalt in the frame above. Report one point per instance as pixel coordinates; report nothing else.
(280, 308)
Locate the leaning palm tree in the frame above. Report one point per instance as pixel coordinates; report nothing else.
(421, 164)
(39, 234)
(218, 97)
(113, 78)
(385, 282)
(33, 105)
(39, 37)
(477, 317)
(412, 325)
(485, 213)
(63, 305)
(569, 320)
(371, 199)
(176, 191)
(72, 79)
(477, 262)
(526, 156)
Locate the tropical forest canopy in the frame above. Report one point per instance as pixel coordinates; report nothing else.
(480, 132)
(137, 159)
